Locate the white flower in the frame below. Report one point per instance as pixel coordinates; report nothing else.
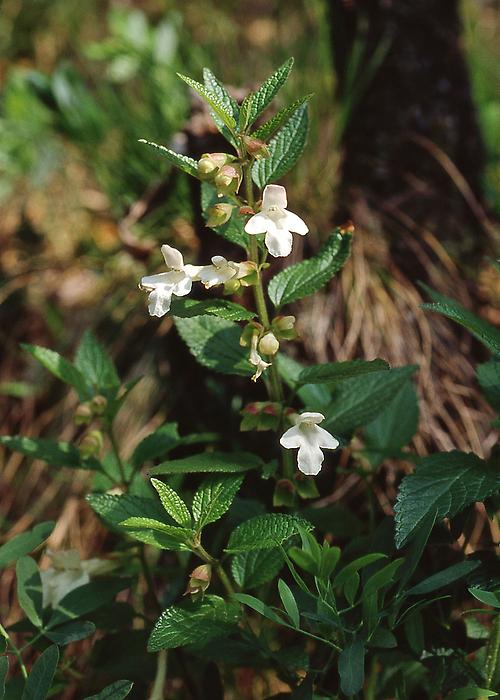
(68, 572)
(178, 280)
(256, 360)
(219, 272)
(276, 222)
(310, 439)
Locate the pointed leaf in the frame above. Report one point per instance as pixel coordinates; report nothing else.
(188, 308)
(116, 691)
(29, 589)
(213, 498)
(269, 129)
(173, 503)
(251, 569)
(330, 372)
(40, 678)
(234, 462)
(289, 603)
(352, 667)
(95, 364)
(445, 577)
(24, 543)
(230, 105)
(346, 572)
(265, 532)
(184, 163)
(258, 606)
(59, 367)
(269, 89)
(70, 632)
(56, 454)
(488, 375)
(220, 109)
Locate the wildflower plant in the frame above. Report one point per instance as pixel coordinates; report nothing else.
(328, 603)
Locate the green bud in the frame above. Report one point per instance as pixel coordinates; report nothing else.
(91, 444)
(199, 581)
(228, 179)
(249, 331)
(83, 414)
(209, 164)
(269, 344)
(99, 404)
(232, 286)
(219, 214)
(284, 327)
(255, 147)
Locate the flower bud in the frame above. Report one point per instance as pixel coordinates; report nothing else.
(91, 444)
(284, 327)
(219, 214)
(199, 581)
(255, 147)
(260, 415)
(232, 286)
(228, 179)
(210, 163)
(99, 404)
(268, 344)
(83, 414)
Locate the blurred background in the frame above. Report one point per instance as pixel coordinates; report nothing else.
(405, 142)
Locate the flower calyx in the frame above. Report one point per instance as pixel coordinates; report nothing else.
(219, 214)
(91, 444)
(260, 416)
(228, 179)
(283, 327)
(210, 163)
(199, 581)
(255, 147)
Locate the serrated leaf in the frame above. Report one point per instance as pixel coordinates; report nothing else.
(487, 334)
(284, 149)
(267, 130)
(258, 606)
(289, 603)
(445, 577)
(184, 163)
(210, 462)
(189, 308)
(351, 666)
(190, 623)
(215, 343)
(269, 89)
(309, 276)
(265, 532)
(24, 543)
(394, 427)
(56, 454)
(251, 569)
(70, 632)
(173, 503)
(59, 367)
(42, 672)
(114, 509)
(234, 229)
(29, 589)
(330, 372)
(218, 107)
(446, 482)
(116, 691)
(179, 533)
(96, 366)
(488, 375)
(245, 111)
(358, 400)
(213, 498)
(230, 105)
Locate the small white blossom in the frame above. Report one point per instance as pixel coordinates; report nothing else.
(177, 281)
(311, 440)
(219, 272)
(68, 572)
(276, 222)
(256, 360)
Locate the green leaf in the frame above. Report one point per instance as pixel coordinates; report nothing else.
(330, 372)
(470, 692)
(488, 375)
(210, 462)
(96, 366)
(234, 229)
(116, 691)
(317, 395)
(59, 367)
(184, 163)
(487, 334)
(273, 125)
(213, 498)
(4, 669)
(416, 549)
(446, 482)
(70, 632)
(384, 577)
(265, 532)
(358, 400)
(309, 276)
(251, 569)
(114, 509)
(24, 543)
(268, 90)
(215, 343)
(138, 523)
(491, 598)
(219, 108)
(40, 678)
(158, 444)
(189, 308)
(354, 566)
(258, 606)
(230, 105)
(245, 111)
(445, 577)
(56, 454)
(29, 590)
(190, 623)
(289, 603)
(173, 503)
(285, 149)
(351, 666)
(85, 599)
(394, 427)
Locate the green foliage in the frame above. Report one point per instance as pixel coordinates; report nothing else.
(96, 366)
(487, 334)
(446, 482)
(56, 454)
(189, 308)
(445, 577)
(488, 375)
(252, 568)
(85, 599)
(352, 667)
(210, 462)
(40, 678)
(285, 149)
(173, 503)
(230, 106)
(184, 163)
(24, 543)
(331, 372)
(469, 693)
(269, 89)
(59, 367)
(289, 603)
(4, 669)
(214, 342)
(218, 106)
(71, 632)
(213, 498)
(29, 589)
(233, 230)
(309, 276)
(115, 691)
(193, 623)
(265, 532)
(269, 128)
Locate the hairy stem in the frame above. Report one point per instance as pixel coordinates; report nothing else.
(15, 650)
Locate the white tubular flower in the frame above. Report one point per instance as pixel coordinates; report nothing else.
(219, 272)
(178, 281)
(256, 360)
(68, 572)
(276, 222)
(311, 440)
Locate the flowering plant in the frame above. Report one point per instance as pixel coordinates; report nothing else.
(313, 617)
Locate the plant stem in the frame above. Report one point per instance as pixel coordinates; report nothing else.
(16, 651)
(492, 652)
(219, 570)
(157, 692)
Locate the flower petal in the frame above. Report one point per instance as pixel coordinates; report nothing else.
(183, 286)
(311, 417)
(193, 271)
(310, 458)
(159, 300)
(173, 257)
(294, 223)
(326, 439)
(274, 196)
(291, 438)
(151, 281)
(278, 242)
(258, 223)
